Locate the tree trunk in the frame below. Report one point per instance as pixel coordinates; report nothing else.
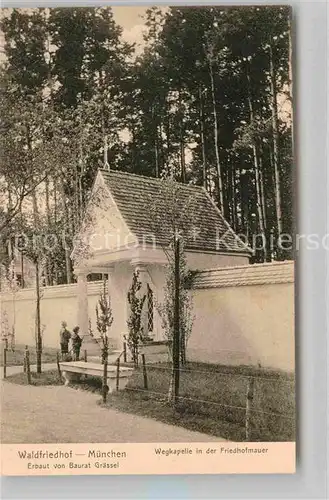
(80, 187)
(162, 160)
(133, 147)
(10, 199)
(47, 200)
(55, 200)
(228, 189)
(262, 190)
(80, 200)
(167, 130)
(218, 164)
(48, 263)
(257, 171)
(156, 157)
(156, 141)
(181, 139)
(34, 194)
(68, 265)
(262, 228)
(202, 137)
(55, 274)
(182, 159)
(244, 182)
(233, 199)
(156, 152)
(22, 270)
(104, 384)
(176, 339)
(35, 207)
(38, 318)
(290, 67)
(275, 131)
(168, 138)
(67, 251)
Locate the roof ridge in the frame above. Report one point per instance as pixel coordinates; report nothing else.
(152, 179)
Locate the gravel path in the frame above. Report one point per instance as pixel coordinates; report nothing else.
(59, 414)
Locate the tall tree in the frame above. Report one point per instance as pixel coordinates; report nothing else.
(25, 35)
(196, 100)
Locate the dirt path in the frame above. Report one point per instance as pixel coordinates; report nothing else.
(65, 415)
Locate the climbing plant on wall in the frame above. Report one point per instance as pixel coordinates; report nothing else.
(136, 301)
(104, 320)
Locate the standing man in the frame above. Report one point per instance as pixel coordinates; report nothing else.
(65, 336)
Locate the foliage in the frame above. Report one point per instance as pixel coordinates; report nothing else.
(16, 358)
(213, 98)
(25, 35)
(10, 284)
(136, 302)
(213, 399)
(166, 308)
(23, 143)
(5, 330)
(104, 320)
(195, 101)
(47, 378)
(177, 214)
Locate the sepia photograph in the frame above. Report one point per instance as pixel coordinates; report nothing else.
(147, 229)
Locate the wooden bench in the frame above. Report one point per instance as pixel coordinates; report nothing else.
(72, 371)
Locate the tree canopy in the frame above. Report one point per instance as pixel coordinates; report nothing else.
(209, 97)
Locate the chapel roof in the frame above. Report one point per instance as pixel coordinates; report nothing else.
(150, 207)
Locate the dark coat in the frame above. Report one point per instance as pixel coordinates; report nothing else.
(76, 341)
(65, 336)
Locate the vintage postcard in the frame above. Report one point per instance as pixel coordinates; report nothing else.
(147, 246)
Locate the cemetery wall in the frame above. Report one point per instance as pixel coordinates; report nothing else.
(243, 315)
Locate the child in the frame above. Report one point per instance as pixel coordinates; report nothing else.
(76, 343)
(64, 339)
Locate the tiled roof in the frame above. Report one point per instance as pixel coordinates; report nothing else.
(150, 207)
(255, 274)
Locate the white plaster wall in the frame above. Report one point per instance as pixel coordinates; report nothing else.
(58, 303)
(233, 325)
(103, 229)
(120, 283)
(251, 324)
